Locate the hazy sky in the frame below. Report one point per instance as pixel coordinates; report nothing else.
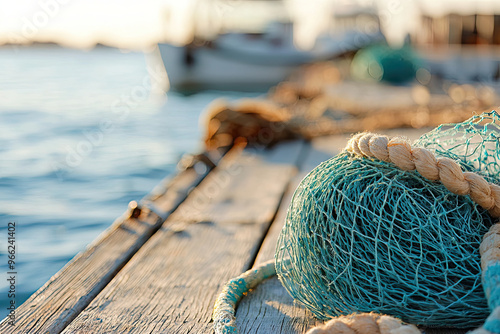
(138, 24)
(82, 22)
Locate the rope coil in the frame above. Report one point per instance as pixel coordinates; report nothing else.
(398, 151)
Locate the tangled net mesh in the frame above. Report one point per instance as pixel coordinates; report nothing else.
(362, 235)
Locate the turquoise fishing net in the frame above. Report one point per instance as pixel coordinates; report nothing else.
(362, 235)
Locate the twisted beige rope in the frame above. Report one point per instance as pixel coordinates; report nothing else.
(398, 151)
(490, 247)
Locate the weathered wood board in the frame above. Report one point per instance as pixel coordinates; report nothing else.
(67, 293)
(171, 284)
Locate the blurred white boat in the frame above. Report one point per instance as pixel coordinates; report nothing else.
(252, 61)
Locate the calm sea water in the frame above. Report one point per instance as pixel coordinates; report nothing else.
(82, 133)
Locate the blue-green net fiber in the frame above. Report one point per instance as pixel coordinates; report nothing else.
(475, 144)
(362, 235)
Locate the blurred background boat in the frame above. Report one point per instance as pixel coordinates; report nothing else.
(235, 56)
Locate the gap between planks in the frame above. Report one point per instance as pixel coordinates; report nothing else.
(269, 308)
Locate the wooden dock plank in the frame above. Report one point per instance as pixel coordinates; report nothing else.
(171, 284)
(66, 294)
(269, 308)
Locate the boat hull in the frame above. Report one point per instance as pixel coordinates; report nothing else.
(205, 68)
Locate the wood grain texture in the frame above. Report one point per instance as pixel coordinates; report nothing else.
(171, 191)
(67, 293)
(269, 308)
(171, 284)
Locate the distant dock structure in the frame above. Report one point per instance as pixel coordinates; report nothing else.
(461, 44)
(457, 29)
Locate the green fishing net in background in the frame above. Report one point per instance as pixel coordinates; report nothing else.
(383, 63)
(362, 235)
